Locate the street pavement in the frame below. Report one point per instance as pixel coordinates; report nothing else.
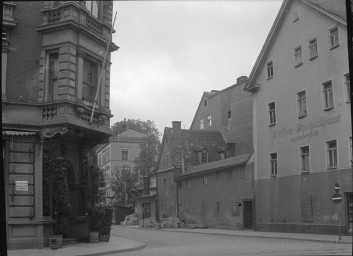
(126, 240)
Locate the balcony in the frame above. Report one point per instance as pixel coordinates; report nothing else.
(74, 14)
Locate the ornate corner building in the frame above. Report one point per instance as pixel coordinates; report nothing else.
(52, 56)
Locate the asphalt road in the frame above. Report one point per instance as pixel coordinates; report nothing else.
(169, 243)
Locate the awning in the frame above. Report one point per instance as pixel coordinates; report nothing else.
(19, 133)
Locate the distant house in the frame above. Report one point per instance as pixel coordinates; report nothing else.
(120, 153)
(302, 121)
(193, 166)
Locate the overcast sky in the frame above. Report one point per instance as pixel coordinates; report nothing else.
(172, 51)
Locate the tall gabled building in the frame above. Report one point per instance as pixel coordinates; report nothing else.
(302, 121)
(52, 54)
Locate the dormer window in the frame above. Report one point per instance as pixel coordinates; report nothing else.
(205, 103)
(92, 7)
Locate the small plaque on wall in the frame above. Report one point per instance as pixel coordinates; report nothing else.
(21, 185)
(235, 208)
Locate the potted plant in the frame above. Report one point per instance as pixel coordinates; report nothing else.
(95, 188)
(106, 223)
(61, 201)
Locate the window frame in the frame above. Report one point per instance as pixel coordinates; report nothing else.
(123, 158)
(298, 56)
(202, 124)
(273, 164)
(269, 69)
(304, 159)
(332, 152)
(335, 36)
(90, 10)
(52, 89)
(313, 46)
(302, 111)
(272, 113)
(328, 94)
(92, 85)
(209, 121)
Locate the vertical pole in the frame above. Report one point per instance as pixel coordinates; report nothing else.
(339, 223)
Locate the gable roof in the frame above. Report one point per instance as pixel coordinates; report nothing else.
(129, 135)
(215, 166)
(187, 143)
(335, 9)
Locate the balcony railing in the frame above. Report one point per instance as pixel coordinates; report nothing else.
(74, 12)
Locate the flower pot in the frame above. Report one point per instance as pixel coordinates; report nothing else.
(104, 238)
(93, 236)
(55, 241)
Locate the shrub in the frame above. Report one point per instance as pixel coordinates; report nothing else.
(106, 221)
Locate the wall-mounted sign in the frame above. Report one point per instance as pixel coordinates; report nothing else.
(21, 185)
(235, 208)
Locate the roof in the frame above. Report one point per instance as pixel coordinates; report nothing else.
(187, 143)
(129, 135)
(215, 166)
(335, 9)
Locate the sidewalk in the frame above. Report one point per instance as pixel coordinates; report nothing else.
(115, 245)
(259, 234)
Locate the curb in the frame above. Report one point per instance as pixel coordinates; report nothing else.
(116, 251)
(259, 236)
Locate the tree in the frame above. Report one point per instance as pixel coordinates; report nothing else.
(125, 185)
(95, 186)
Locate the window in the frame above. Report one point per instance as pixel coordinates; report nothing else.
(124, 154)
(304, 157)
(202, 124)
(301, 98)
(332, 154)
(241, 172)
(298, 56)
(229, 114)
(269, 68)
(180, 184)
(273, 163)
(209, 120)
(222, 155)
(272, 113)
(328, 95)
(53, 75)
(92, 7)
(188, 183)
(165, 182)
(146, 210)
(204, 180)
(313, 49)
(204, 157)
(189, 207)
(334, 37)
(347, 87)
(205, 103)
(90, 79)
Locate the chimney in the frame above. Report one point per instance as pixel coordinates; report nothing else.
(176, 127)
(241, 79)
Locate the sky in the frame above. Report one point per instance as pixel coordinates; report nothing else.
(171, 52)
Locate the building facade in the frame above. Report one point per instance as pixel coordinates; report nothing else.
(302, 121)
(119, 154)
(52, 54)
(201, 181)
(228, 111)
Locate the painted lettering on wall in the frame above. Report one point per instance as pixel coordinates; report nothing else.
(304, 130)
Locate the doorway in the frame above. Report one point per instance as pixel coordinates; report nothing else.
(248, 214)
